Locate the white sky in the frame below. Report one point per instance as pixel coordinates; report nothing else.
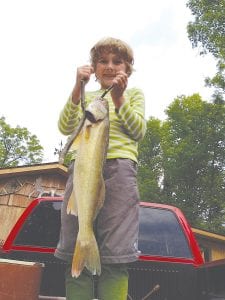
(44, 41)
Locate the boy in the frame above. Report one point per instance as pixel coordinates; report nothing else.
(117, 222)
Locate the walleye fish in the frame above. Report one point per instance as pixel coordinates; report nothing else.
(88, 185)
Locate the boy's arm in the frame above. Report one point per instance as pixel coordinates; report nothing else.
(71, 114)
(69, 117)
(131, 114)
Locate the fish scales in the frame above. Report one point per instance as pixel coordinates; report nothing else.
(88, 188)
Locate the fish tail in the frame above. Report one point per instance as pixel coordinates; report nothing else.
(86, 255)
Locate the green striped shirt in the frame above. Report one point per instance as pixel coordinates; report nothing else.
(127, 126)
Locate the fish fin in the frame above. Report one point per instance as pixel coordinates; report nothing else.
(72, 205)
(76, 142)
(71, 139)
(86, 255)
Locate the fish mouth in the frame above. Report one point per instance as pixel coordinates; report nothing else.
(90, 116)
(96, 110)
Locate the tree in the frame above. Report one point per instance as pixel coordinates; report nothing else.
(207, 32)
(208, 28)
(218, 82)
(193, 147)
(149, 163)
(182, 161)
(18, 146)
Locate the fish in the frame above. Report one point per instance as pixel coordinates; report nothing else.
(88, 192)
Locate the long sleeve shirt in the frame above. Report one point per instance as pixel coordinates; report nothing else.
(127, 125)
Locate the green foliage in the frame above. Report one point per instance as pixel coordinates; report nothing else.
(18, 146)
(207, 32)
(149, 167)
(218, 81)
(208, 28)
(194, 159)
(182, 161)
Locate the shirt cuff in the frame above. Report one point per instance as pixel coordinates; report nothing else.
(72, 106)
(123, 108)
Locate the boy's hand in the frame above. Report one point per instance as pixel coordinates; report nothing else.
(83, 73)
(119, 86)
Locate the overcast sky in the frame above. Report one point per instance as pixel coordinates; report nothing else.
(44, 41)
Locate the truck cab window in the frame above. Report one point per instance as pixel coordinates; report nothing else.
(42, 227)
(161, 234)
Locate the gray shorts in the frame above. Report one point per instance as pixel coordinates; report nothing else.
(116, 226)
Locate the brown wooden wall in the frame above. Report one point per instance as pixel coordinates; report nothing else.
(19, 190)
(211, 250)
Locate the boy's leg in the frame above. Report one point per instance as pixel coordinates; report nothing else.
(113, 282)
(80, 288)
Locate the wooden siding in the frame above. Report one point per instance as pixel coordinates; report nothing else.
(19, 190)
(211, 244)
(8, 218)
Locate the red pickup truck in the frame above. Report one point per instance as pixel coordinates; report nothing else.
(170, 265)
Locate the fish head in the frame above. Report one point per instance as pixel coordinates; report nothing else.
(97, 110)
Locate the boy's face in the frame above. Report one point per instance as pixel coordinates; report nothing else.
(107, 67)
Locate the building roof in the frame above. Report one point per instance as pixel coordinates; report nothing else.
(53, 167)
(209, 235)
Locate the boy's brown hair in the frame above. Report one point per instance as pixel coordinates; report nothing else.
(115, 46)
